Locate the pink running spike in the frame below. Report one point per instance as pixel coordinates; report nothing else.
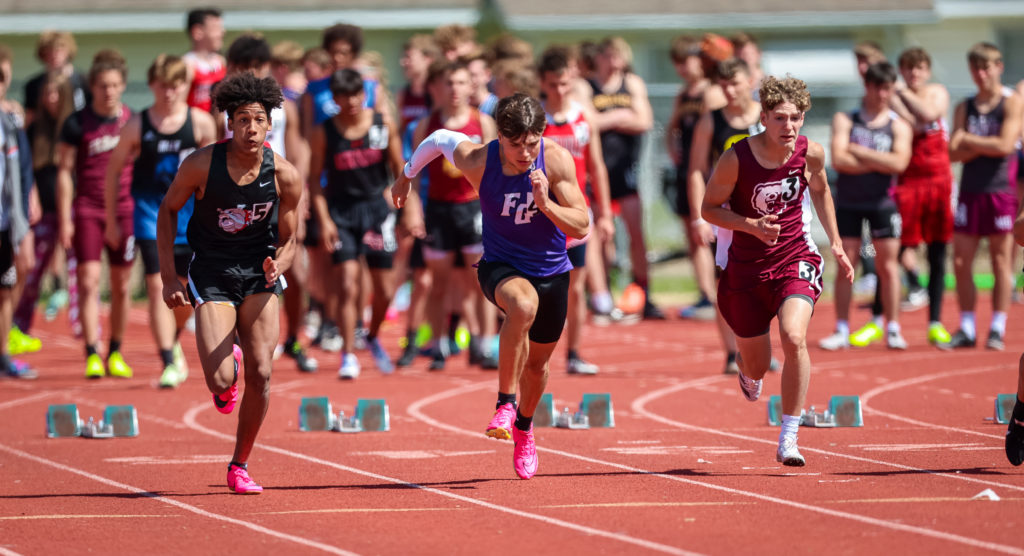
(240, 483)
(524, 455)
(500, 426)
(225, 403)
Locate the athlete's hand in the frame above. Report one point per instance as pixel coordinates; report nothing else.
(605, 227)
(112, 235)
(703, 233)
(400, 190)
(540, 190)
(768, 230)
(845, 267)
(271, 270)
(174, 294)
(65, 232)
(329, 236)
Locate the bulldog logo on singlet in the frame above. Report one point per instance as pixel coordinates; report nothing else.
(773, 197)
(234, 220)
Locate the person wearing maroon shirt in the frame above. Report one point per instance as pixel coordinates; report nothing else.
(88, 139)
(773, 267)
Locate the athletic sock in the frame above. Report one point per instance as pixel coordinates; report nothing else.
(291, 339)
(115, 345)
(90, 349)
(843, 327)
(790, 427)
(913, 280)
(504, 398)
(998, 323)
(523, 423)
(167, 356)
(602, 302)
(236, 464)
(573, 354)
(877, 320)
(936, 278)
(893, 327)
(967, 324)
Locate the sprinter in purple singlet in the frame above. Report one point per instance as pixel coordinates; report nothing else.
(530, 201)
(769, 181)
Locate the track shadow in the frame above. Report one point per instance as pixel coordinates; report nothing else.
(112, 495)
(982, 471)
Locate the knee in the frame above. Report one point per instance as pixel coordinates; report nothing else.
(258, 379)
(794, 339)
(536, 372)
(522, 309)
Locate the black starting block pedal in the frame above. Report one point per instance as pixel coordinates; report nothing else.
(843, 411)
(119, 421)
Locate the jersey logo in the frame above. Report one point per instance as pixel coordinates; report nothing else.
(733, 140)
(234, 220)
(523, 212)
(773, 197)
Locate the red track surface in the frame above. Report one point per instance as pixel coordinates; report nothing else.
(689, 467)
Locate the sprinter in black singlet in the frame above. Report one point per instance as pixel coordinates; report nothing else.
(241, 187)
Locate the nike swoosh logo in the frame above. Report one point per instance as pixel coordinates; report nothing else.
(264, 184)
(791, 172)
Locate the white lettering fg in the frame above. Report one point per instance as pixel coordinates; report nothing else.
(523, 211)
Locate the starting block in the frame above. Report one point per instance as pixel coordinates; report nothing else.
(843, 411)
(1004, 407)
(315, 414)
(595, 411)
(544, 415)
(119, 421)
(598, 409)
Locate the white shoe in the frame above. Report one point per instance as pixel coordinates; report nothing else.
(835, 342)
(580, 367)
(332, 343)
(349, 367)
(895, 340)
(916, 298)
(788, 454)
(751, 388)
(180, 362)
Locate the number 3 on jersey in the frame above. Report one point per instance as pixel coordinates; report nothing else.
(807, 271)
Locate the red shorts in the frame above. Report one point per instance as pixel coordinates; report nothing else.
(749, 300)
(926, 208)
(89, 242)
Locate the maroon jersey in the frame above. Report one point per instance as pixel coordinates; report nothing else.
(446, 182)
(95, 137)
(413, 106)
(781, 191)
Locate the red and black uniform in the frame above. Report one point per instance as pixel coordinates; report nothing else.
(452, 214)
(573, 133)
(924, 190)
(758, 277)
(205, 74)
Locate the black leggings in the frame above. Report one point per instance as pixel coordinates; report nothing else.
(936, 282)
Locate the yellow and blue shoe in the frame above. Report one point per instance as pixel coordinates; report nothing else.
(94, 367)
(18, 342)
(117, 367)
(871, 332)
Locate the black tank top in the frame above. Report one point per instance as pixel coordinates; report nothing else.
(689, 115)
(160, 155)
(235, 222)
(621, 150)
(988, 174)
(724, 135)
(356, 169)
(870, 190)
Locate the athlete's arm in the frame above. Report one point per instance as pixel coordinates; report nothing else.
(412, 215)
(66, 155)
(295, 148)
(306, 113)
(1005, 143)
(190, 180)
(204, 127)
(456, 147)
(821, 196)
(929, 106)
(696, 184)
(720, 187)
(957, 151)
(289, 194)
(124, 153)
(672, 131)
(317, 200)
(892, 162)
(598, 173)
(842, 159)
(569, 213)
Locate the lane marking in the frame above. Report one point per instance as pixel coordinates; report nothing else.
(170, 501)
(415, 410)
(7, 552)
(190, 421)
(865, 399)
(646, 505)
(420, 454)
(171, 460)
(27, 399)
(916, 500)
(363, 510)
(79, 516)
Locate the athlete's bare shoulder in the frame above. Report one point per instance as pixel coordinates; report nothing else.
(815, 156)
(285, 170)
(199, 158)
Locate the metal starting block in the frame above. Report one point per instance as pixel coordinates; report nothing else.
(598, 409)
(119, 421)
(1004, 407)
(315, 414)
(544, 415)
(567, 420)
(843, 411)
(595, 411)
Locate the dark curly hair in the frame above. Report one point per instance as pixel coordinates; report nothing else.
(245, 88)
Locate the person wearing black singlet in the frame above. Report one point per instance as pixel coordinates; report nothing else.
(241, 187)
(158, 139)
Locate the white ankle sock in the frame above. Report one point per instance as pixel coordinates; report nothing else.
(893, 327)
(790, 427)
(998, 323)
(843, 327)
(602, 302)
(967, 324)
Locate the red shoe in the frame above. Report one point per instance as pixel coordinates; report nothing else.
(240, 483)
(225, 403)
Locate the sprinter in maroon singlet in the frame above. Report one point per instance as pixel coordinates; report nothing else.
(773, 267)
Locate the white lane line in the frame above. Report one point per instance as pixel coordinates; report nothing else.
(28, 399)
(170, 501)
(190, 421)
(865, 399)
(416, 411)
(6, 552)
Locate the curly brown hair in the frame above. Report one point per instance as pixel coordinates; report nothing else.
(245, 88)
(775, 91)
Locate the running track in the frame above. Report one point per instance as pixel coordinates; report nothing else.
(689, 468)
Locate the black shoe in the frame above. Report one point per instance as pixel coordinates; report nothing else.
(995, 341)
(1015, 439)
(961, 340)
(437, 359)
(652, 312)
(305, 363)
(408, 354)
(488, 363)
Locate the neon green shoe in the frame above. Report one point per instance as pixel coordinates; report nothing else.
(180, 363)
(18, 342)
(94, 367)
(869, 333)
(117, 367)
(169, 378)
(937, 335)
